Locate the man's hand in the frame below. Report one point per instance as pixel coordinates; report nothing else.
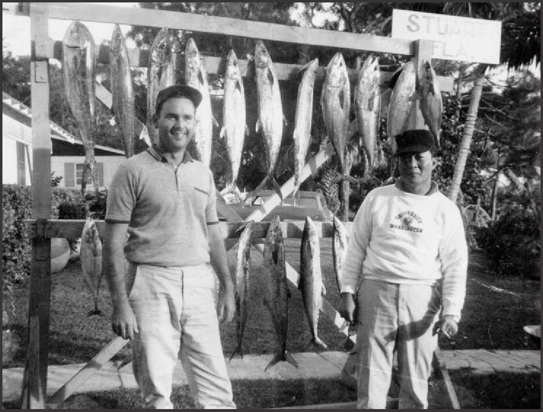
(347, 307)
(447, 326)
(123, 321)
(226, 305)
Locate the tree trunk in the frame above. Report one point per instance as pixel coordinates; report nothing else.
(468, 134)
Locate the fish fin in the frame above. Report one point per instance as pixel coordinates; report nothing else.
(278, 357)
(291, 360)
(275, 255)
(246, 131)
(95, 311)
(318, 342)
(285, 122)
(323, 289)
(271, 78)
(215, 122)
(342, 99)
(222, 133)
(258, 125)
(348, 345)
(277, 189)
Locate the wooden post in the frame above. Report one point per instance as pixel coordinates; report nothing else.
(35, 375)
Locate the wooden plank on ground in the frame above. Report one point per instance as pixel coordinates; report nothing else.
(229, 27)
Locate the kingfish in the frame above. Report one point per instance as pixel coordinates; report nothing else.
(367, 102)
(336, 105)
(270, 112)
(91, 260)
(339, 249)
(311, 284)
(431, 103)
(242, 282)
(234, 118)
(303, 121)
(79, 70)
(161, 73)
(196, 76)
(401, 103)
(277, 293)
(121, 89)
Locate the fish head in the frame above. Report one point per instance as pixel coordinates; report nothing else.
(117, 37)
(192, 57)
(336, 72)
(78, 36)
(232, 66)
(161, 50)
(262, 57)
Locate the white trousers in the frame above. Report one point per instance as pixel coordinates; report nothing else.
(395, 317)
(177, 319)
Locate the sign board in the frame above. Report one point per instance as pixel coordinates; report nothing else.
(454, 38)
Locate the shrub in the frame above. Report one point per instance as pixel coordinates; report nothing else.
(512, 244)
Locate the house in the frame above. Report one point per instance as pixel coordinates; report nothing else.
(67, 154)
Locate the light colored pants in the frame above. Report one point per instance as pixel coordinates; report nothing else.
(395, 317)
(177, 319)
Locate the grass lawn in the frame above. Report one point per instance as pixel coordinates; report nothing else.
(493, 317)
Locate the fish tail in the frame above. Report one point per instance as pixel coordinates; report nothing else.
(95, 311)
(282, 356)
(239, 350)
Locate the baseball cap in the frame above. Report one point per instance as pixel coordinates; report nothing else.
(414, 141)
(178, 90)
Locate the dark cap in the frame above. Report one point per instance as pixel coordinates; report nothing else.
(414, 141)
(178, 90)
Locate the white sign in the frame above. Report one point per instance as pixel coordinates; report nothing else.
(454, 38)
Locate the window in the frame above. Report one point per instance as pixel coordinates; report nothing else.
(73, 172)
(21, 164)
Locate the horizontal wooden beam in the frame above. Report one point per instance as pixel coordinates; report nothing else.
(63, 228)
(229, 27)
(216, 65)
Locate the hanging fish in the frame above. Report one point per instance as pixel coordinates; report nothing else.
(401, 103)
(303, 120)
(234, 125)
(311, 284)
(431, 103)
(79, 71)
(270, 113)
(367, 102)
(242, 282)
(91, 260)
(339, 248)
(121, 89)
(160, 74)
(277, 293)
(196, 76)
(336, 106)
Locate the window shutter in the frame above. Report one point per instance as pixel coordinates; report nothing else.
(69, 175)
(100, 174)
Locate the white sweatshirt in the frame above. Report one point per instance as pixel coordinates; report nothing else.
(399, 237)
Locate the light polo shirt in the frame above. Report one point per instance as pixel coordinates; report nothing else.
(168, 209)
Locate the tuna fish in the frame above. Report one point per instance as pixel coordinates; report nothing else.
(121, 89)
(270, 112)
(304, 115)
(234, 126)
(336, 105)
(242, 283)
(277, 293)
(367, 102)
(160, 74)
(79, 70)
(91, 260)
(196, 76)
(431, 103)
(311, 284)
(339, 248)
(401, 103)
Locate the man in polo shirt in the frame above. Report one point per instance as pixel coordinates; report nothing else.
(165, 201)
(408, 248)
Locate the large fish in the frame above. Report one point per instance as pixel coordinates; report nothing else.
(339, 248)
(196, 76)
(367, 102)
(161, 73)
(242, 282)
(311, 284)
(431, 103)
(401, 103)
(91, 260)
(303, 121)
(79, 71)
(234, 125)
(277, 293)
(336, 105)
(270, 112)
(121, 89)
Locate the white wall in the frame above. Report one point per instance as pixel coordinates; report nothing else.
(13, 132)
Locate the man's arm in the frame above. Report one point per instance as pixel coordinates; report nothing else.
(123, 321)
(226, 305)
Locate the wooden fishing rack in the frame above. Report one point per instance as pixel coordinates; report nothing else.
(42, 228)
